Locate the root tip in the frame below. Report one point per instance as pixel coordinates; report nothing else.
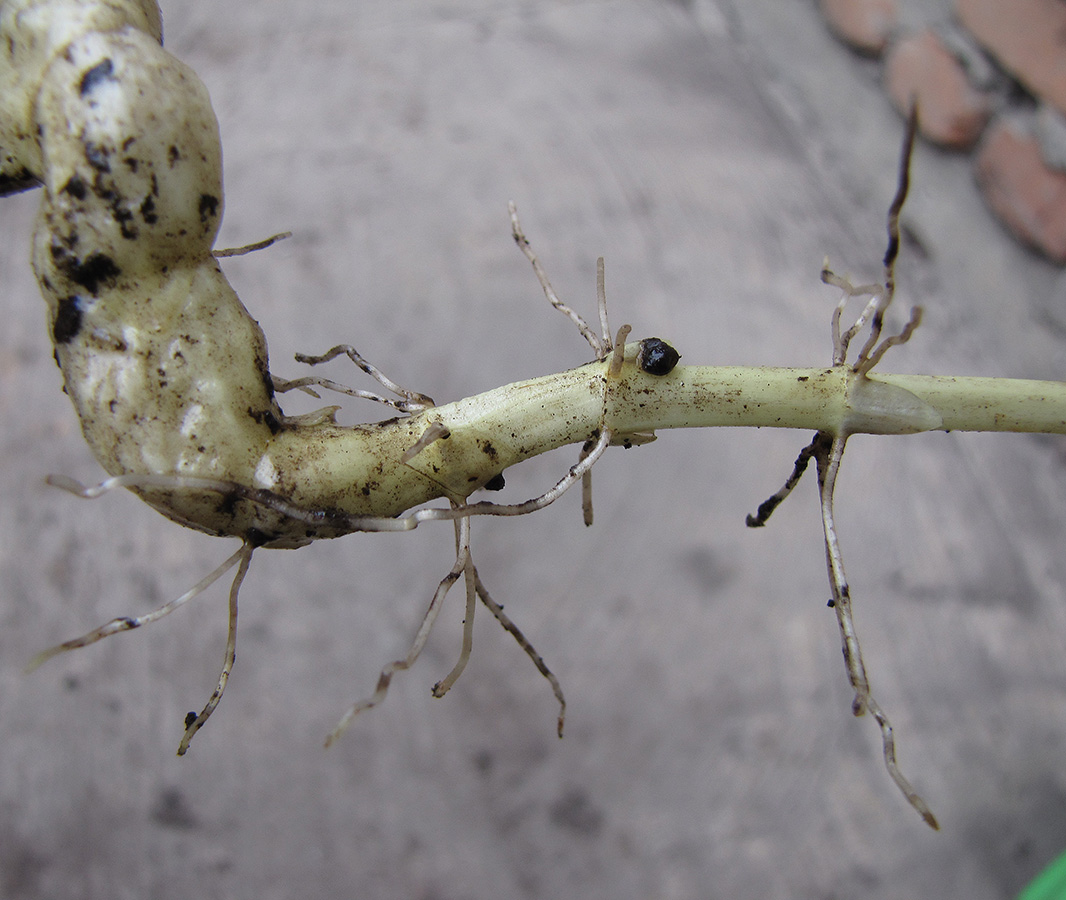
(34, 664)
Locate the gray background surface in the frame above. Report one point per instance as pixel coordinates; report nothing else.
(713, 153)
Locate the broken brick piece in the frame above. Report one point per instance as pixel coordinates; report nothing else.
(864, 25)
(951, 112)
(1022, 190)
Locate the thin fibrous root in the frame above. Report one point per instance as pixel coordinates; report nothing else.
(601, 305)
(436, 431)
(828, 466)
(618, 353)
(413, 400)
(867, 362)
(421, 636)
(484, 507)
(309, 382)
(819, 444)
(445, 684)
(475, 588)
(354, 523)
(828, 450)
(841, 340)
(600, 346)
(524, 643)
(128, 623)
(881, 294)
(586, 486)
(903, 180)
(251, 248)
(194, 722)
(133, 481)
(460, 514)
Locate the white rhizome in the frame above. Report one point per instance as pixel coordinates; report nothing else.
(169, 376)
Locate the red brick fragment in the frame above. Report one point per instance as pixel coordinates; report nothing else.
(1028, 37)
(864, 25)
(1024, 193)
(951, 112)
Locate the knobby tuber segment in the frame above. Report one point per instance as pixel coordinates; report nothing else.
(169, 375)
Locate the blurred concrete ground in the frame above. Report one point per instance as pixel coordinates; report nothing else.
(713, 153)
